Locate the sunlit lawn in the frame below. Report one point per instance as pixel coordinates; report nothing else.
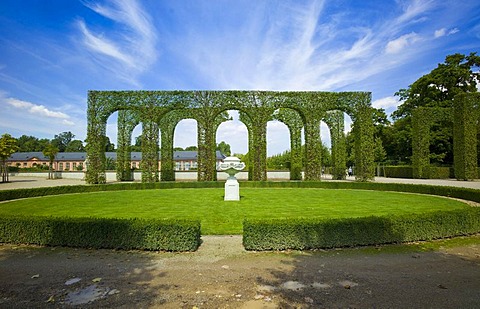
(220, 217)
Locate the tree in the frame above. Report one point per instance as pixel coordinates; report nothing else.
(441, 85)
(438, 89)
(8, 145)
(75, 145)
(191, 148)
(224, 148)
(31, 143)
(50, 152)
(62, 140)
(109, 147)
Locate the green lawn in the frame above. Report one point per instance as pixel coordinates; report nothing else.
(220, 217)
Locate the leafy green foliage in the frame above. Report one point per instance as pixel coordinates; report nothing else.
(145, 234)
(224, 148)
(8, 145)
(437, 90)
(467, 117)
(301, 234)
(165, 108)
(50, 152)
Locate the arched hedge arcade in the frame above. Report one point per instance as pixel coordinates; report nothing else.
(161, 111)
(465, 119)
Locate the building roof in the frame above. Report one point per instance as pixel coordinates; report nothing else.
(81, 156)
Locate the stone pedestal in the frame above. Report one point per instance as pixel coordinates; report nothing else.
(232, 190)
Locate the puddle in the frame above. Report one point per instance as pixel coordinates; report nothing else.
(72, 281)
(84, 296)
(347, 284)
(293, 285)
(318, 285)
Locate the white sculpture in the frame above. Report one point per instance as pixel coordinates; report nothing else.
(231, 166)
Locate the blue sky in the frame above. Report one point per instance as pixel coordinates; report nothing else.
(52, 52)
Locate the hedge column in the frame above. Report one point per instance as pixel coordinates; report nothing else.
(96, 131)
(313, 147)
(335, 122)
(364, 143)
(127, 121)
(149, 163)
(465, 136)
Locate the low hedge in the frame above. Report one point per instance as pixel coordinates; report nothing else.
(6, 195)
(397, 171)
(456, 192)
(433, 172)
(302, 234)
(151, 234)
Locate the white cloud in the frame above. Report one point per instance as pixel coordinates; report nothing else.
(414, 9)
(399, 44)
(34, 109)
(443, 32)
(128, 52)
(300, 47)
(386, 103)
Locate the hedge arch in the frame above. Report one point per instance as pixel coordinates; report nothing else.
(162, 110)
(465, 116)
(423, 119)
(294, 123)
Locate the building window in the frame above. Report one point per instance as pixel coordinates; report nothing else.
(67, 165)
(60, 167)
(74, 165)
(187, 166)
(177, 166)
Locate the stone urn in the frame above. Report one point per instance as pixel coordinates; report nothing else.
(231, 166)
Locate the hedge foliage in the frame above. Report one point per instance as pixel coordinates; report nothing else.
(466, 117)
(185, 235)
(397, 171)
(301, 234)
(165, 235)
(456, 192)
(163, 109)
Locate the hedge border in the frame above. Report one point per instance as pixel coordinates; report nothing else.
(304, 234)
(143, 234)
(454, 192)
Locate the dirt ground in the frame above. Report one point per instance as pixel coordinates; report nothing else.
(221, 274)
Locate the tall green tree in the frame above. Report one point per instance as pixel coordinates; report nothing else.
(8, 145)
(50, 152)
(224, 148)
(62, 140)
(75, 145)
(31, 143)
(458, 74)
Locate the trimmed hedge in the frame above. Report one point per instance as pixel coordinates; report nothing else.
(432, 172)
(397, 171)
(317, 233)
(6, 195)
(152, 234)
(456, 192)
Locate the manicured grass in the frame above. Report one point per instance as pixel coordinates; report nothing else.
(220, 217)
